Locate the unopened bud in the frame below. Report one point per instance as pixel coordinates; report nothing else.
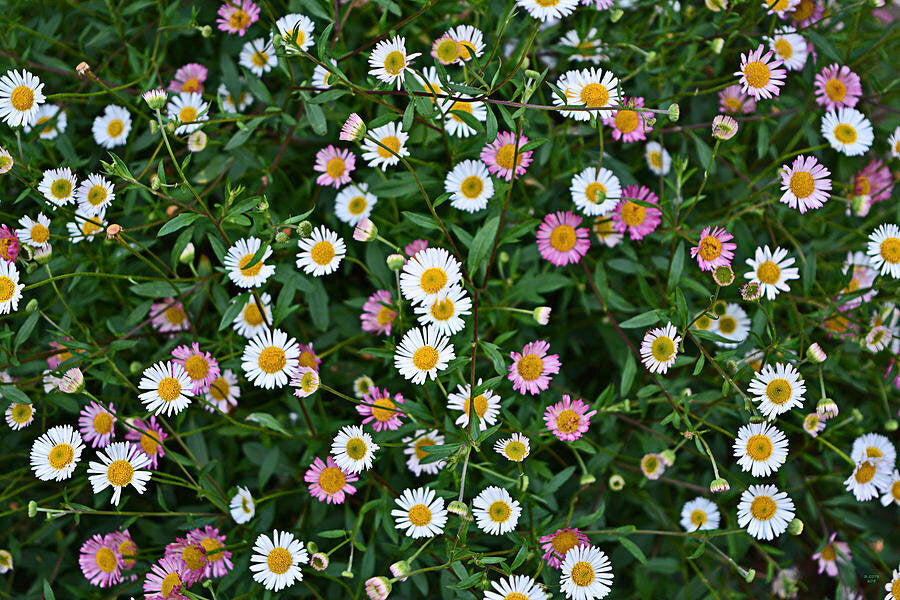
(719, 486)
(724, 127)
(541, 314)
(668, 457)
(674, 111)
(815, 353)
(304, 229)
(878, 545)
(82, 69)
(857, 415)
(155, 99)
(135, 367)
(615, 15)
(365, 230)
(860, 205)
(890, 425)
(400, 570)
(503, 256)
(206, 31)
(319, 561)
(155, 183)
(395, 262)
(347, 574)
(723, 275)
(587, 479)
(187, 255)
(616, 482)
(378, 588)
(716, 45)
(281, 237)
(32, 509)
(795, 527)
(31, 306)
(43, 254)
(532, 74)
(751, 292)
(112, 231)
(171, 210)
(750, 575)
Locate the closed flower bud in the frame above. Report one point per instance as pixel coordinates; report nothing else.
(281, 237)
(112, 231)
(815, 353)
(460, 509)
(72, 382)
(353, 129)
(32, 509)
(541, 314)
(723, 275)
(365, 230)
(857, 415)
(757, 418)
(716, 45)
(674, 111)
(197, 141)
(31, 306)
(587, 479)
(503, 256)
(615, 15)
(395, 262)
(304, 229)
(206, 31)
(668, 457)
(135, 367)
(378, 588)
(43, 254)
(860, 205)
(749, 575)
(891, 425)
(724, 127)
(319, 561)
(616, 482)
(877, 545)
(82, 69)
(719, 485)
(187, 255)
(348, 574)
(155, 183)
(795, 527)
(155, 99)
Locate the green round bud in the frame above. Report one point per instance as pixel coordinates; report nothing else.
(503, 256)
(587, 479)
(668, 456)
(616, 482)
(31, 306)
(206, 31)
(750, 575)
(891, 425)
(135, 367)
(615, 15)
(304, 229)
(395, 262)
(32, 509)
(347, 574)
(311, 547)
(674, 111)
(795, 527)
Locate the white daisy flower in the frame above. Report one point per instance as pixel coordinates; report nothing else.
(869, 477)
(847, 130)
(250, 322)
(587, 49)
(428, 273)
(353, 449)
(495, 511)
(454, 124)
(515, 448)
(516, 587)
(765, 511)
(19, 416)
(415, 450)
(894, 142)
(55, 454)
(892, 490)
(321, 77)
(421, 514)
(700, 514)
(470, 186)
(873, 445)
(660, 348)
(388, 136)
(242, 506)
(258, 56)
(276, 561)
(168, 386)
(270, 359)
(733, 324)
(321, 253)
(595, 191)
(772, 270)
(586, 573)
(470, 40)
(445, 313)
(778, 389)
(228, 101)
(487, 406)
(593, 88)
(188, 110)
(54, 121)
(544, 10)
(354, 203)
(94, 195)
(423, 352)
(658, 159)
(10, 288)
(85, 228)
(20, 95)
(884, 250)
(760, 448)
(878, 338)
(111, 129)
(120, 464)
(296, 31)
(240, 267)
(389, 60)
(790, 47)
(58, 186)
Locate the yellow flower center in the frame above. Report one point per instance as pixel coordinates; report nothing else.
(757, 74)
(239, 20)
(865, 473)
(803, 11)
(466, 50)
(191, 85)
(763, 508)
(828, 553)
(106, 560)
(90, 227)
(447, 51)
(425, 358)
(60, 456)
(188, 114)
(582, 574)
(209, 545)
(567, 421)
(768, 272)
(895, 588)
(119, 473)
(481, 405)
(251, 271)
(595, 192)
(890, 250)
(420, 444)
(837, 323)
(7, 288)
(895, 492)
(594, 94)
(783, 48)
(499, 511)
(442, 309)
(873, 452)
(703, 323)
(394, 62)
(20, 413)
(103, 423)
(505, 156)
(471, 187)
(279, 561)
(564, 541)
(322, 253)
(272, 359)
(779, 391)
(835, 90)
(698, 518)
(168, 389)
(845, 133)
(383, 409)
(649, 464)
(530, 367)
(149, 443)
(170, 584)
(433, 280)
(802, 184)
(128, 551)
(357, 205)
(39, 234)
(298, 39)
(115, 128)
(461, 107)
(385, 316)
(759, 448)
(260, 58)
(332, 480)
(174, 315)
(193, 557)
(733, 104)
(563, 238)
(22, 98)
(197, 367)
(861, 185)
(515, 450)
(335, 167)
(633, 214)
(219, 389)
(710, 248)
(356, 448)
(662, 348)
(61, 188)
(392, 142)
(727, 325)
(306, 359)
(627, 121)
(515, 596)
(419, 515)
(252, 315)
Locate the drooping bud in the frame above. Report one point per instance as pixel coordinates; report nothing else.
(378, 588)
(187, 255)
(795, 527)
(395, 262)
(815, 353)
(353, 129)
(365, 230)
(674, 111)
(719, 486)
(155, 99)
(541, 314)
(304, 229)
(31, 306)
(460, 509)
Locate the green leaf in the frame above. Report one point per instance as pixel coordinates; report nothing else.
(267, 421)
(420, 220)
(490, 129)
(628, 374)
(676, 267)
(332, 533)
(236, 306)
(177, 222)
(328, 96)
(482, 243)
(642, 320)
(633, 549)
(316, 117)
(48, 593)
(556, 482)
(699, 551)
(26, 329)
(14, 394)
(408, 115)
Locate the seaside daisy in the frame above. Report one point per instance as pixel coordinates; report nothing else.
(223, 392)
(58, 186)
(557, 544)
(328, 482)
(150, 437)
(873, 445)
(515, 448)
(415, 449)
(531, 369)
(189, 78)
(636, 219)
(276, 560)
(733, 100)
(201, 367)
(82, 228)
(560, 239)
(120, 465)
(629, 125)
(168, 386)
(446, 312)
(305, 381)
(771, 270)
(252, 319)
(813, 424)
(21, 93)
(806, 184)
(495, 511)
(874, 180)
(94, 195)
(100, 561)
(733, 325)
(780, 7)
(389, 61)
(836, 86)
(55, 454)
(790, 47)
(891, 490)
(516, 587)
(354, 203)
(242, 506)
(258, 56)
(848, 131)
(760, 75)
(270, 359)
(296, 32)
(9, 244)
(596, 89)
(659, 348)
(470, 186)
(111, 129)
(700, 514)
(653, 465)
(878, 338)
(335, 165)
(378, 314)
(760, 448)
(423, 352)
(765, 511)
(187, 110)
(169, 316)
(586, 573)
(165, 580)
(49, 121)
(236, 16)
(19, 415)
(605, 233)
(714, 248)
(831, 555)
(778, 389)
(96, 424)
(658, 159)
(870, 477)
(883, 250)
(595, 191)
(353, 449)
(228, 101)
(487, 405)
(380, 409)
(427, 274)
(6, 161)
(568, 419)
(504, 156)
(457, 125)
(383, 146)
(588, 48)
(218, 561)
(548, 10)
(242, 270)
(421, 513)
(191, 556)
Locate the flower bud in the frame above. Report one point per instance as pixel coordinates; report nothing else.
(857, 415)
(197, 141)
(724, 127)
(890, 425)
(135, 367)
(795, 527)
(860, 205)
(615, 15)
(72, 382)
(304, 229)
(348, 574)
(312, 547)
(723, 275)
(587, 479)
(459, 508)
(319, 561)
(400, 570)
(750, 575)
(206, 31)
(43, 254)
(878, 545)
(541, 314)
(674, 111)
(751, 292)
(187, 255)
(155, 183)
(503, 257)
(155, 99)
(353, 129)
(365, 230)
(716, 44)
(378, 588)
(719, 485)
(616, 482)
(112, 231)
(668, 457)
(83, 69)
(815, 353)
(32, 509)
(395, 262)
(281, 237)
(31, 306)
(523, 480)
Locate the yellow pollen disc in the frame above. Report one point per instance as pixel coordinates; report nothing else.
(763, 508)
(60, 456)
(515, 450)
(845, 133)
(308, 360)
(564, 541)
(471, 187)
(768, 272)
(447, 51)
(828, 553)
(197, 367)
(530, 367)
(515, 596)
(811, 421)
(385, 316)
(245, 505)
(733, 104)
(272, 359)
(419, 515)
(168, 388)
(627, 121)
(594, 94)
(148, 443)
(322, 253)
(698, 518)
(873, 452)
(595, 192)
(309, 382)
(567, 421)
(703, 323)
(835, 90)
(466, 50)
(103, 423)
(61, 188)
(727, 325)
(39, 234)
(421, 443)
(757, 74)
(279, 561)
(837, 323)
(861, 185)
(7, 288)
(895, 588)
(249, 271)
(547, 3)
(633, 214)
(106, 560)
(335, 167)
(890, 250)
(783, 48)
(662, 348)
(332, 480)
(193, 557)
(779, 391)
(252, 315)
(425, 358)
(392, 142)
(394, 62)
(563, 238)
(357, 205)
(48, 128)
(433, 280)
(759, 448)
(120, 472)
(865, 473)
(460, 107)
(260, 58)
(21, 413)
(191, 85)
(383, 409)
(356, 448)
(128, 550)
(115, 128)
(499, 511)
(239, 20)
(90, 227)
(649, 464)
(299, 39)
(442, 310)
(895, 492)
(505, 155)
(481, 405)
(170, 584)
(802, 184)
(210, 544)
(174, 315)
(219, 389)
(603, 226)
(188, 114)
(803, 11)
(22, 98)
(710, 248)
(582, 574)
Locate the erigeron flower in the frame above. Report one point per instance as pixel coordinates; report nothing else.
(187, 110)
(556, 545)
(150, 437)
(516, 587)
(380, 409)
(258, 56)
(700, 514)
(779, 7)
(296, 32)
(568, 419)
(771, 270)
(546, 10)
(837, 86)
(389, 61)
(276, 560)
(636, 219)
(874, 181)
(595, 191)
(251, 321)
(733, 100)
(515, 448)
(658, 159)
(883, 250)
(111, 129)
(415, 449)
(446, 312)
(421, 513)
(873, 445)
(168, 386)
(335, 165)
(870, 477)
(270, 359)
(321, 253)
(353, 129)
(6, 161)
(790, 47)
(100, 562)
(120, 465)
(831, 555)
(328, 482)
(377, 316)
(893, 142)
(155, 98)
(878, 338)
(305, 381)
(653, 465)
(892, 490)
(390, 146)
(189, 78)
(165, 580)
(427, 274)
(587, 49)
(96, 424)
(456, 125)
(55, 454)
(560, 239)
(236, 16)
(760, 448)
(58, 186)
(714, 248)
(778, 389)
(470, 186)
(531, 369)
(495, 511)
(659, 348)
(10, 288)
(806, 184)
(354, 203)
(595, 89)
(21, 94)
(848, 131)
(586, 573)
(813, 424)
(423, 352)
(629, 125)
(49, 120)
(19, 415)
(724, 127)
(169, 316)
(218, 561)
(487, 405)
(353, 449)
(191, 556)
(229, 103)
(504, 156)
(200, 366)
(760, 75)
(765, 511)
(242, 506)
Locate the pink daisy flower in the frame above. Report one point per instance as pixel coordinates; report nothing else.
(498, 156)
(96, 424)
(169, 316)
(64, 354)
(201, 367)
(235, 16)
(837, 86)
(813, 424)
(837, 325)
(380, 409)
(560, 240)
(376, 317)
(629, 125)
(335, 166)
(308, 357)
(637, 220)
(531, 370)
(875, 181)
(165, 580)
(9, 244)
(805, 183)
(832, 554)
(733, 100)
(599, 4)
(557, 544)
(190, 556)
(714, 249)
(125, 547)
(189, 78)
(760, 75)
(415, 246)
(99, 561)
(805, 13)
(328, 482)
(218, 563)
(568, 420)
(150, 437)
